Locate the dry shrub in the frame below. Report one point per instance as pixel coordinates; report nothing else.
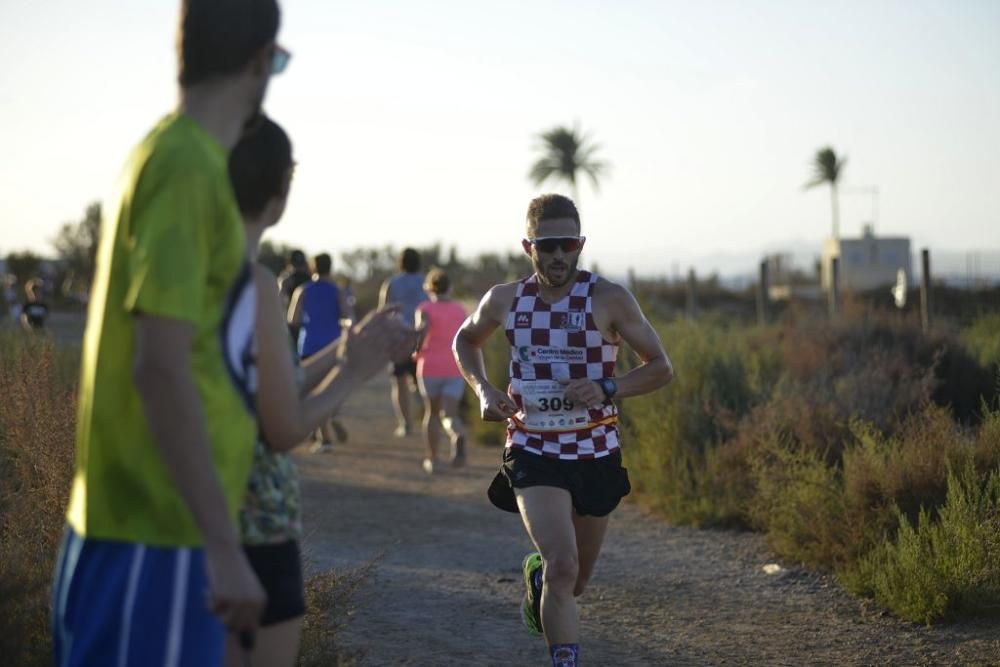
(906, 471)
(329, 598)
(37, 418)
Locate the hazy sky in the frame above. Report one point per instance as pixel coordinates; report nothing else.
(413, 122)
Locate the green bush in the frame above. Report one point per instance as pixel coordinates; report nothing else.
(982, 337)
(949, 563)
(672, 437)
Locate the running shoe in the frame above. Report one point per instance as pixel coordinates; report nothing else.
(531, 605)
(320, 447)
(339, 431)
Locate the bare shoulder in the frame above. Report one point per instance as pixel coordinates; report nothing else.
(496, 303)
(613, 298)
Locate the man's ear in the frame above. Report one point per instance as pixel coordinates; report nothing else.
(260, 64)
(526, 244)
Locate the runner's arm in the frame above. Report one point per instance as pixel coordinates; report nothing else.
(474, 333)
(318, 366)
(295, 307)
(494, 404)
(383, 295)
(628, 320)
(421, 322)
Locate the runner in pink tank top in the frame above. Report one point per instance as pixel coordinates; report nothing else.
(562, 465)
(438, 375)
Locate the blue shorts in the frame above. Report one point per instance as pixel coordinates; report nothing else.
(122, 603)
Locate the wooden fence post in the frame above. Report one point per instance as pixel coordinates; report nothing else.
(926, 303)
(691, 307)
(762, 293)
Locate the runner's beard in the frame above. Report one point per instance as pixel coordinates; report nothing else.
(566, 272)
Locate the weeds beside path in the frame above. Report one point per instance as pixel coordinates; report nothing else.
(447, 588)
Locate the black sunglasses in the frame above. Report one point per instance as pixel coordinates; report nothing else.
(548, 244)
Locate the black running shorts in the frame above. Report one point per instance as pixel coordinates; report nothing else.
(404, 368)
(279, 569)
(596, 486)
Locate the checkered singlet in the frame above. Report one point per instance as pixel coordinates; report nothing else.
(557, 341)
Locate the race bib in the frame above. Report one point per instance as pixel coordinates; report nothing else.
(546, 408)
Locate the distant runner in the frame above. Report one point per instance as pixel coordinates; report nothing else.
(35, 311)
(317, 309)
(406, 290)
(440, 380)
(295, 273)
(562, 466)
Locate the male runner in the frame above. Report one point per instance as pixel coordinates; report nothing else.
(406, 290)
(151, 570)
(562, 462)
(317, 308)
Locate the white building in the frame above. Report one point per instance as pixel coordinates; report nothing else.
(868, 262)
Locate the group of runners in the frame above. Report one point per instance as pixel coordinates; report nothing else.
(184, 520)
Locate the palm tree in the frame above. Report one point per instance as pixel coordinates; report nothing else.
(565, 153)
(827, 168)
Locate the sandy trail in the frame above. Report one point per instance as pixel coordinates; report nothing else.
(447, 588)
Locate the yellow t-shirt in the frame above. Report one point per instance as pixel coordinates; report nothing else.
(172, 245)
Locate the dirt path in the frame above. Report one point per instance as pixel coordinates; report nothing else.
(447, 588)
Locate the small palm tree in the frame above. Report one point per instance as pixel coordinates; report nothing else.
(827, 168)
(565, 153)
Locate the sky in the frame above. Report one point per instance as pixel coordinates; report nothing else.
(416, 122)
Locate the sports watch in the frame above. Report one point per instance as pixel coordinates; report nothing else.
(608, 386)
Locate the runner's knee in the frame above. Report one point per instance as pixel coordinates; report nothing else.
(561, 572)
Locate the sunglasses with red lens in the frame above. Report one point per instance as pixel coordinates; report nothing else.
(548, 244)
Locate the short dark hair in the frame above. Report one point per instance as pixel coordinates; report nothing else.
(322, 264)
(219, 37)
(551, 207)
(409, 261)
(259, 166)
(297, 258)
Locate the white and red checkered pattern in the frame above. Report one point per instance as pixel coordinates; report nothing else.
(568, 324)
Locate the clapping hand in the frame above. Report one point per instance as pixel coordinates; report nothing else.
(381, 337)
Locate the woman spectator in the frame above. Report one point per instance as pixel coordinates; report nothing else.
(260, 168)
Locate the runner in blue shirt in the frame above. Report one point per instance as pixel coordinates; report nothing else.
(406, 290)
